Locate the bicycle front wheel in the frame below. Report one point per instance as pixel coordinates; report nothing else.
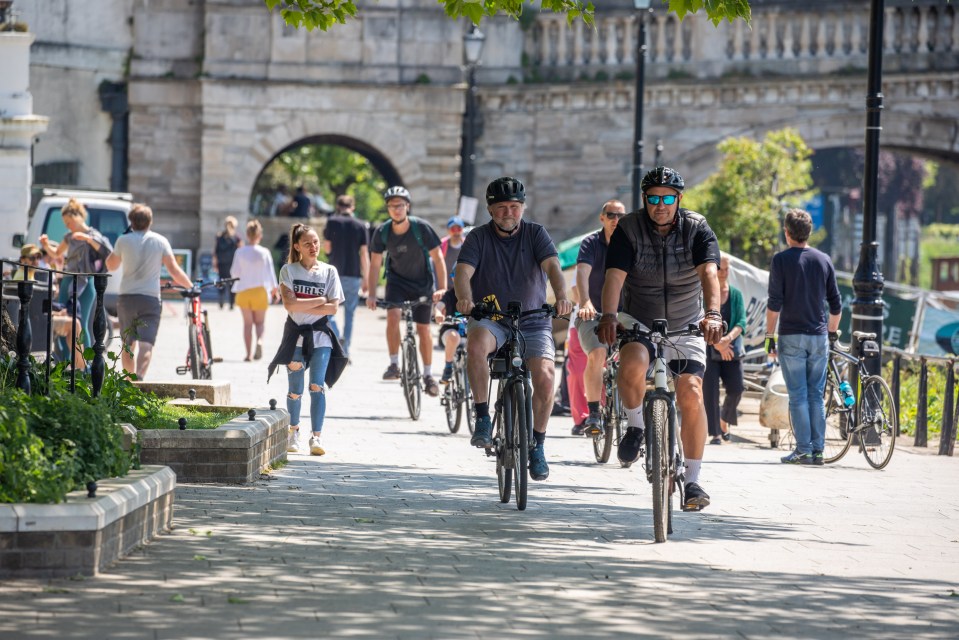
(206, 365)
(659, 459)
(411, 379)
(467, 397)
(877, 422)
(504, 466)
(193, 354)
(603, 445)
(449, 400)
(517, 398)
(837, 424)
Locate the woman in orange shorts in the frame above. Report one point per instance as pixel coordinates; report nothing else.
(254, 289)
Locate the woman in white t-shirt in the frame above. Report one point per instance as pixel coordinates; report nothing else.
(255, 287)
(311, 293)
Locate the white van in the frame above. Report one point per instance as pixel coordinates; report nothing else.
(107, 214)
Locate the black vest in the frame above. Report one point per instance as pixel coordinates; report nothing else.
(663, 281)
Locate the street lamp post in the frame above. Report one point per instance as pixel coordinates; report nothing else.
(472, 50)
(642, 6)
(867, 282)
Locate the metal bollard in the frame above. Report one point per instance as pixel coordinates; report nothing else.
(272, 404)
(91, 489)
(922, 405)
(948, 433)
(24, 336)
(252, 414)
(182, 423)
(192, 393)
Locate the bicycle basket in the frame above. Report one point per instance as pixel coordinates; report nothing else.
(870, 348)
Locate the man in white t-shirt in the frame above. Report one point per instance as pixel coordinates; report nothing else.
(141, 252)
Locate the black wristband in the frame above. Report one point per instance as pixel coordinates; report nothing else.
(712, 313)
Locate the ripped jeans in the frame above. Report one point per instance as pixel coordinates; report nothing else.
(317, 371)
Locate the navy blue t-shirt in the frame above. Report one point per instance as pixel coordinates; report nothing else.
(801, 281)
(346, 235)
(508, 269)
(592, 251)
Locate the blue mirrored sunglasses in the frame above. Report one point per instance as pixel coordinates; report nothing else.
(667, 200)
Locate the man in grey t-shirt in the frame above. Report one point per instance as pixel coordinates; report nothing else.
(509, 260)
(141, 252)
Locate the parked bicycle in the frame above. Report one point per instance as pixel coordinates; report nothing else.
(867, 415)
(613, 414)
(410, 377)
(199, 355)
(664, 461)
(513, 410)
(457, 397)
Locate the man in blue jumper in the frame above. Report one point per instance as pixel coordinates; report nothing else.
(800, 280)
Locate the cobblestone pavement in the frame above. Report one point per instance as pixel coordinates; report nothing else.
(398, 533)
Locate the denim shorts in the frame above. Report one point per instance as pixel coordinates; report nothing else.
(537, 343)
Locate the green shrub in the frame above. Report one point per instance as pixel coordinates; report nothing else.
(31, 470)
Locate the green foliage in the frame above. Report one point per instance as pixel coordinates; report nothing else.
(745, 198)
(323, 14)
(30, 470)
(167, 415)
(909, 395)
(329, 170)
(938, 241)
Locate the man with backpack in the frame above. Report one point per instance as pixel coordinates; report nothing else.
(414, 266)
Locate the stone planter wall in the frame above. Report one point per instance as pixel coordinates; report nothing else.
(234, 453)
(213, 391)
(85, 535)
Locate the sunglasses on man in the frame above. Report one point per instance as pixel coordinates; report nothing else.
(613, 216)
(667, 200)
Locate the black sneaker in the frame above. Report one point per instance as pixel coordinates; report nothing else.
(817, 459)
(429, 384)
(593, 427)
(694, 498)
(483, 433)
(796, 457)
(392, 372)
(447, 374)
(538, 469)
(631, 445)
(578, 429)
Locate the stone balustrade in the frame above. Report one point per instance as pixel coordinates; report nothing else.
(780, 40)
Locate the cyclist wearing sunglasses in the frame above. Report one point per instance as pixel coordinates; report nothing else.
(590, 275)
(663, 261)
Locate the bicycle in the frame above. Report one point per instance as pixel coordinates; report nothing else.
(868, 415)
(457, 397)
(613, 414)
(513, 411)
(664, 462)
(410, 377)
(199, 355)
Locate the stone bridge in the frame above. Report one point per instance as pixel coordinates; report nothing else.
(218, 88)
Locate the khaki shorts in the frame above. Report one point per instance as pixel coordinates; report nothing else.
(255, 299)
(535, 344)
(587, 332)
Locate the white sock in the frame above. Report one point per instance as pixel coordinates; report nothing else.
(395, 359)
(427, 370)
(692, 470)
(634, 417)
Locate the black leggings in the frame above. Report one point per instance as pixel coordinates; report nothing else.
(731, 373)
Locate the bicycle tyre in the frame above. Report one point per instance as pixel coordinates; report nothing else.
(206, 367)
(659, 457)
(837, 424)
(504, 471)
(467, 392)
(877, 422)
(193, 353)
(603, 445)
(456, 384)
(410, 379)
(449, 398)
(520, 443)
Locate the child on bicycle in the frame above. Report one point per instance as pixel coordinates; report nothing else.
(311, 293)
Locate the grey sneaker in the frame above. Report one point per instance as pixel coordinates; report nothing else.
(315, 448)
(538, 469)
(797, 457)
(392, 372)
(593, 427)
(483, 433)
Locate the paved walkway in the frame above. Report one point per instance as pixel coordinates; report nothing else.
(398, 533)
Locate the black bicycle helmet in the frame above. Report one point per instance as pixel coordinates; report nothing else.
(397, 192)
(505, 190)
(663, 177)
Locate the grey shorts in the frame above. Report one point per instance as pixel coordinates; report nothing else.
(586, 329)
(139, 318)
(536, 344)
(682, 348)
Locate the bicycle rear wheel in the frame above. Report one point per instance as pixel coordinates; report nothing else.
(603, 445)
(837, 424)
(193, 353)
(206, 366)
(410, 377)
(504, 466)
(517, 396)
(877, 422)
(659, 457)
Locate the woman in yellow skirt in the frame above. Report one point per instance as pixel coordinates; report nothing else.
(254, 289)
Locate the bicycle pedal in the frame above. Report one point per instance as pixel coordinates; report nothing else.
(692, 508)
(182, 370)
(217, 359)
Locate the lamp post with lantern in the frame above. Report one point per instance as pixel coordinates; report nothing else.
(642, 8)
(472, 50)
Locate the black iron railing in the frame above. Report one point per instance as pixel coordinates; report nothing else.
(24, 339)
(950, 408)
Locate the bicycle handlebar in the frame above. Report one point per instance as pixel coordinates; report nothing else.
(387, 304)
(659, 329)
(219, 284)
(483, 310)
